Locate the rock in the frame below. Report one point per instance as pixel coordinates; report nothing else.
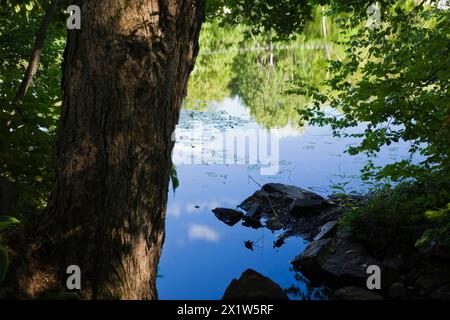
(253, 286)
(253, 212)
(8, 197)
(277, 206)
(441, 294)
(335, 262)
(300, 201)
(301, 207)
(355, 293)
(349, 262)
(397, 291)
(313, 257)
(433, 280)
(392, 266)
(292, 193)
(228, 216)
(252, 223)
(327, 230)
(274, 224)
(255, 199)
(253, 216)
(394, 262)
(281, 195)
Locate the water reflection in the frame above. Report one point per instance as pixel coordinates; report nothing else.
(201, 254)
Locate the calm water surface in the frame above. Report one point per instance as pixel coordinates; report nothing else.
(201, 255)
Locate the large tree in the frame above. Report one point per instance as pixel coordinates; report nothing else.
(125, 74)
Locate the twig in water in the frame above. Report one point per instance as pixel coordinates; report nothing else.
(265, 193)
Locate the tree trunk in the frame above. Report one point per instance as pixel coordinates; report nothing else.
(124, 78)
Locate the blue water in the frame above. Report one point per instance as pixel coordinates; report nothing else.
(201, 254)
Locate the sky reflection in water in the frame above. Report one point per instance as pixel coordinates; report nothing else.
(201, 254)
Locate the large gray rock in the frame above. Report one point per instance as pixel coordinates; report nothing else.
(300, 201)
(291, 192)
(254, 286)
(355, 293)
(336, 262)
(282, 195)
(311, 260)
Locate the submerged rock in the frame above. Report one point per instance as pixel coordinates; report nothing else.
(252, 286)
(355, 293)
(228, 216)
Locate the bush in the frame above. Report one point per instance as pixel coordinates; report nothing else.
(413, 212)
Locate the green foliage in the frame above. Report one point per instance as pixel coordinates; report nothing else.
(395, 79)
(174, 178)
(285, 18)
(212, 73)
(27, 129)
(263, 87)
(5, 222)
(439, 233)
(4, 262)
(406, 209)
(19, 6)
(231, 65)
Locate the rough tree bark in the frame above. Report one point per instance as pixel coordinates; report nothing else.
(124, 78)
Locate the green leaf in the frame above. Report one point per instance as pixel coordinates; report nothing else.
(29, 6)
(174, 178)
(6, 222)
(4, 262)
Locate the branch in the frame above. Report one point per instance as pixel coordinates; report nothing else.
(420, 5)
(265, 193)
(33, 64)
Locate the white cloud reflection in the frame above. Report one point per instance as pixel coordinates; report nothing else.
(176, 208)
(203, 232)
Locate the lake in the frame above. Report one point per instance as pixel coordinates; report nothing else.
(238, 90)
(201, 254)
